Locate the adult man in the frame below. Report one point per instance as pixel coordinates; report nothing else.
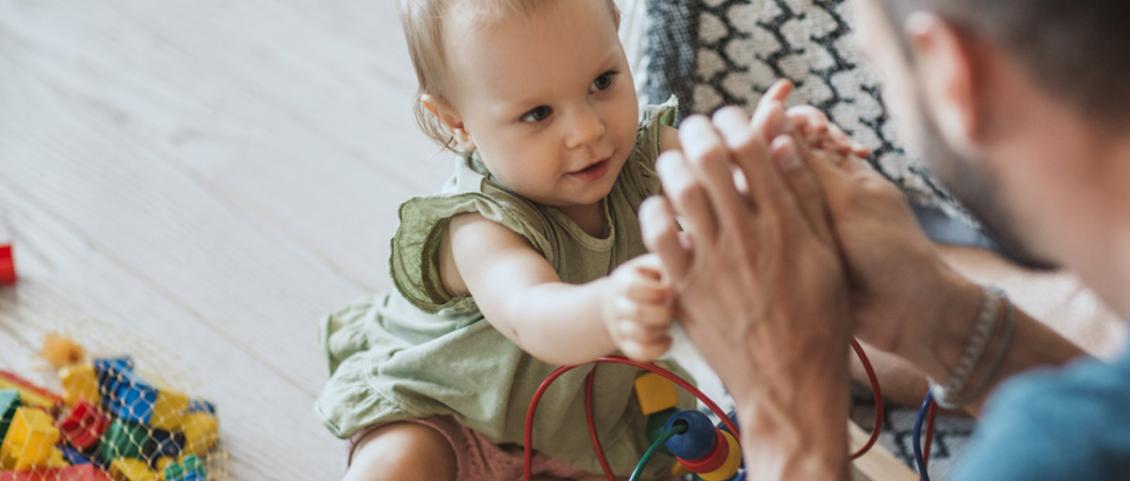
(1023, 110)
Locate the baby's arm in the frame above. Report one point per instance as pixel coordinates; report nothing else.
(521, 295)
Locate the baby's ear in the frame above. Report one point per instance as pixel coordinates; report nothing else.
(443, 111)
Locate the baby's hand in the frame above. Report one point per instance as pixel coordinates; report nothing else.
(638, 310)
(812, 129)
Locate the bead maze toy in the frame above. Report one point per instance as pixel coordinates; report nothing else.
(109, 423)
(707, 451)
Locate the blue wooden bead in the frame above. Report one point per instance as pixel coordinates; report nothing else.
(697, 442)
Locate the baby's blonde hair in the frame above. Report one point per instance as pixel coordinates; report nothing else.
(423, 29)
(422, 21)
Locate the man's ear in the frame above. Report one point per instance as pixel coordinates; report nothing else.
(946, 67)
(448, 116)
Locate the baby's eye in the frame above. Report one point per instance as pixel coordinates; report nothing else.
(538, 114)
(604, 81)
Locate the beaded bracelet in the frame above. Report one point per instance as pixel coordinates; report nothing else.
(951, 395)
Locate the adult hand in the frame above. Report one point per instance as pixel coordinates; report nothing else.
(761, 290)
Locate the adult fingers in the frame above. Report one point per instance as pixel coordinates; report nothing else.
(766, 188)
(688, 198)
(805, 187)
(709, 160)
(661, 235)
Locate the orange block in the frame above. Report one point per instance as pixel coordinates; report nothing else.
(655, 393)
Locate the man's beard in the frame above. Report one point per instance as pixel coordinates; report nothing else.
(976, 190)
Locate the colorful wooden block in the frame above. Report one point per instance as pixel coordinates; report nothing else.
(201, 431)
(655, 393)
(111, 374)
(134, 400)
(162, 443)
(61, 351)
(84, 472)
(122, 440)
(191, 468)
(83, 425)
(9, 401)
(80, 383)
(126, 469)
(30, 394)
(7, 265)
(201, 406)
(30, 440)
(169, 409)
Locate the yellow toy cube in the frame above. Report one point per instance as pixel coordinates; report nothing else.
(30, 441)
(79, 384)
(655, 393)
(201, 431)
(130, 469)
(168, 411)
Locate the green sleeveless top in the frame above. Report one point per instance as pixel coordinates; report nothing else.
(418, 351)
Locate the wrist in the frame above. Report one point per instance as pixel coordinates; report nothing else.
(938, 338)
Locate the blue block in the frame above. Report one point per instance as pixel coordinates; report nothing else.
(111, 373)
(201, 406)
(134, 400)
(699, 439)
(73, 456)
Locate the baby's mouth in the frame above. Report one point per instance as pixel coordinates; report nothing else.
(593, 171)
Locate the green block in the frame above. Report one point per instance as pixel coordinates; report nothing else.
(122, 440)
(190, 468)
(192, 464)
(9, 401)
(173, 472)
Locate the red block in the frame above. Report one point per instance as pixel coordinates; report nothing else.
(83, 426)
(7, 265)
(84, 472)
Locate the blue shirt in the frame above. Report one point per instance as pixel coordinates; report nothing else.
(1071, 424)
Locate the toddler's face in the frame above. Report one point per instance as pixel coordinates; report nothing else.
(547, 100)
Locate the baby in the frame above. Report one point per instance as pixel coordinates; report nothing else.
(530, 258)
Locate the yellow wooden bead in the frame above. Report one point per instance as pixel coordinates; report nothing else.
(201, 431)
(729, 467)
(80, 383)
(655, 393)
(130, 469)
(30, 441)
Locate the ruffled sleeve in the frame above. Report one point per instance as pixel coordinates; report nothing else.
(639, 176)
(423, 225)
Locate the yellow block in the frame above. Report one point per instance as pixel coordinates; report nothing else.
(201, 431)
(168, 411)
(30, 441)
(729, 467)
(57, 460)
(655, 393)
(129, 469)
(79, 384)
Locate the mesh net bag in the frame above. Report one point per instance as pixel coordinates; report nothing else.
(102, 416)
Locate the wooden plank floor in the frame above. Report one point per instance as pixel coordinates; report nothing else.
(196, 182)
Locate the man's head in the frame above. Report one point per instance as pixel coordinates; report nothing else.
(1018, 107)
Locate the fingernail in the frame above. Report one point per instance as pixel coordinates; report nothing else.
(789, 159)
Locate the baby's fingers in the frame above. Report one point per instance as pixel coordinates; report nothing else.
(651, 314)
(646, 352)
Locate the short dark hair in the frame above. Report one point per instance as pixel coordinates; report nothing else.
(1076, 49)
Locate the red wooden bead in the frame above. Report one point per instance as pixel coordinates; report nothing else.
(711, 461)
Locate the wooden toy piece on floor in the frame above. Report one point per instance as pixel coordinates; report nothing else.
(30, 441)
(80, 383)
(61, 351)
(85, 472)
(655, 393)
(30, 394)
(83, 425)
(201, 431)
(128, 469)
(729, 467)
(122, 440)
(9, 401)
(7, 265)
